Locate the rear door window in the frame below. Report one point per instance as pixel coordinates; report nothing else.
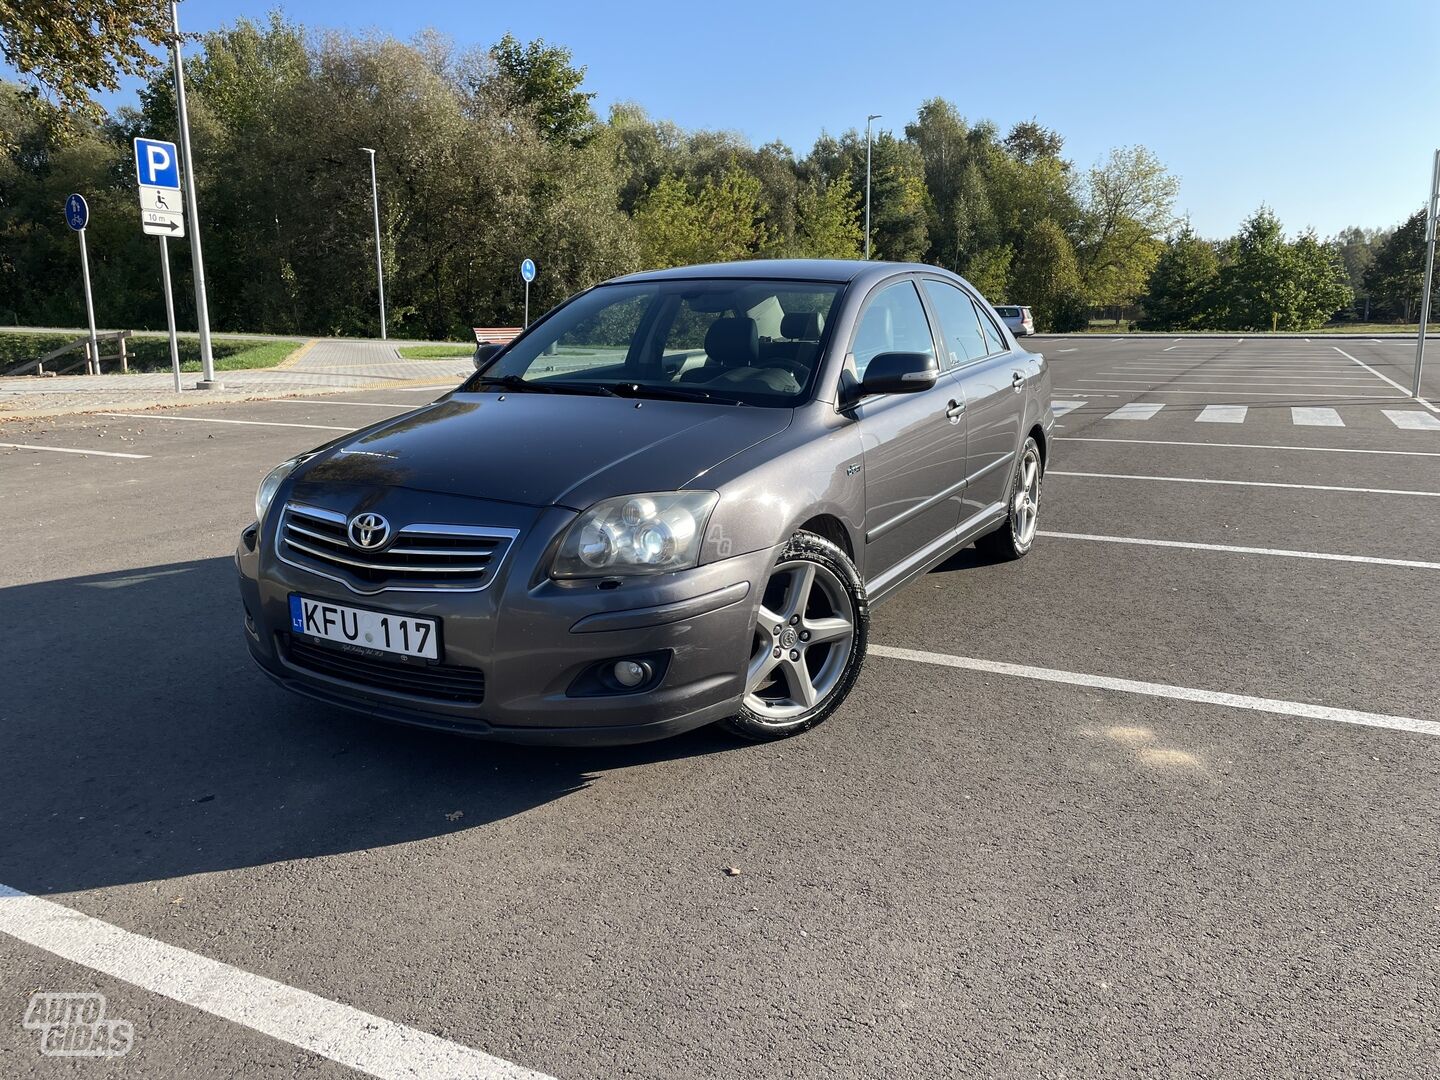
(993, 337)
(959, 323)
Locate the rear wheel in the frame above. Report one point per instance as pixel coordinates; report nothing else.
(1015, 538)
(807, 643)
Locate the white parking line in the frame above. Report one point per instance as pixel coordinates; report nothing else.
(1315, 416)
(1164, 690)
(70, 450)
(356, 1039)
(1066, 350)
(1063, 407)
(1168, 349)
(1245, 483)
(1253, 446)
(1412, 421)
(1323, 556)
(1136, 410)
(1384, 378)
(214, 420)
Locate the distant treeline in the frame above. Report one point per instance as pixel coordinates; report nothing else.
(488, 156)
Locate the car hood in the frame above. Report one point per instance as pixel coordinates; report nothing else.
(546, 449)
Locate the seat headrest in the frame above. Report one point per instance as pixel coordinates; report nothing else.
(733, 342)
(802, 325)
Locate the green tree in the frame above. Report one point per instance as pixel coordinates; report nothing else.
(1397, 275)
(731, 212)
(1046, 276)
(667, 223)
(1357, 247)
(1181, 290)
(1269, 284)
(1127, 208)
(827, 222)
(989, 272)
(67, 51)
(545, 81)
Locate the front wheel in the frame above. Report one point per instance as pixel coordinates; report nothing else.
(1015, 538)
(807, 643)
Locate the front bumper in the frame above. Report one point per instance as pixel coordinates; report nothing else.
(533, 638)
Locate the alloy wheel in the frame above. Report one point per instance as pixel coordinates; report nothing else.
(1025, 507)
(804, 633)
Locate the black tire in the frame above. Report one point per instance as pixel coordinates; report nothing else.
(771, 711)
(1014, 539)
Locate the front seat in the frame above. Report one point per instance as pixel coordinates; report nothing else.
(729, 343)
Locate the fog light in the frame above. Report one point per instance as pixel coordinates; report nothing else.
(630, 673)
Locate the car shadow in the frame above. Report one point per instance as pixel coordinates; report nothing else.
(968, 558)
(141, 744)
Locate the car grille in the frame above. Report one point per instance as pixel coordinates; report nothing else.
(448, 684)
(458, 558)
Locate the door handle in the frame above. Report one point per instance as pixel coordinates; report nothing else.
(954, 411)
(1017, 379)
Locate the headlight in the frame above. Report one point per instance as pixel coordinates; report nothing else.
(636, 534)
(271, 484)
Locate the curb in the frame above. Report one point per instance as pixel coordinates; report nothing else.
(173, 401)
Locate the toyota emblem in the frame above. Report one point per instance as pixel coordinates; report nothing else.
(368, 531)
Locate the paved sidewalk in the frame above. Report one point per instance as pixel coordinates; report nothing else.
(323, 366)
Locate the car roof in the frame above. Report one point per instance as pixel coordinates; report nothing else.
(839, 271)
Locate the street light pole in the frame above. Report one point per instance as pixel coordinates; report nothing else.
(379, 263)
(1432, 219)
(197, 259)
(868, 120)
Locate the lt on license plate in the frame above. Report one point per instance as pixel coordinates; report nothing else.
(376, 630)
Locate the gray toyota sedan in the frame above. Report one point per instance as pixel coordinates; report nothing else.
(671, 502)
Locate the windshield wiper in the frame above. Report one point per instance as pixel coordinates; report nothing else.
(671, 393)
(516, 382)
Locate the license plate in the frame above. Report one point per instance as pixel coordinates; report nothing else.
(376, 631)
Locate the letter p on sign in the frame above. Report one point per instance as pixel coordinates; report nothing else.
(156, 164)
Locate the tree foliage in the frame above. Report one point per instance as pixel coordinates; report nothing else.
(1181, 290)
(1397, 272)
(66, 51)
(491, 155)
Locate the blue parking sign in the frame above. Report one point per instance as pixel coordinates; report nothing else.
(527, 270)
(156, 163)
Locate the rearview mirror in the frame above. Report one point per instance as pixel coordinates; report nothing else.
(485, 352)
(899, 373)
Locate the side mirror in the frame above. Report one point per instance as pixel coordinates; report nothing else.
(485, 352)
(899, 373)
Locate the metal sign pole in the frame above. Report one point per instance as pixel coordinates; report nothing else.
(170, 311)
(1433, 211)
(379, 259)
(197, 259)
(527, 275)
(89, 305)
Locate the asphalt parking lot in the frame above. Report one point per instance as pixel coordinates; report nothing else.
(1160, 799)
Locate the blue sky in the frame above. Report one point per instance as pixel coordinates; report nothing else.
(1328, 112)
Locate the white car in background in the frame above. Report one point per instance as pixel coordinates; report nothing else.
(1017, 318)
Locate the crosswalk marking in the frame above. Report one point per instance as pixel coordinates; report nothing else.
(1412, 421)
(1136, 410)
(1314, 416)
(1300, 415)
(1222, 414)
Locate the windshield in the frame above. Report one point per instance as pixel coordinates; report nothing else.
(1008, 312)
(741, 342)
